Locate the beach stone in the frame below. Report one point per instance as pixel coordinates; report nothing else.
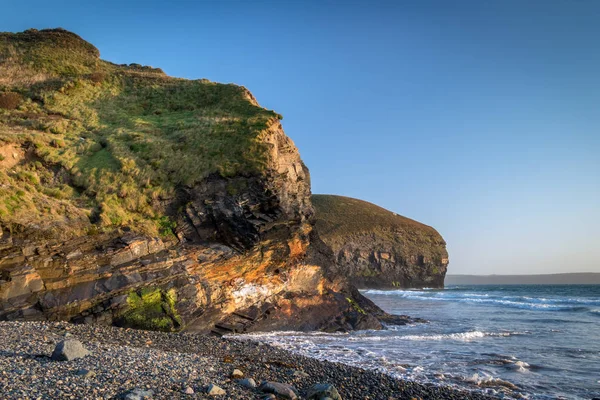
(237, 374)
(269, 397)
(137, 394)
(249, 383)
(214, 390)
(322, 391)
(188, 390)
(68, 350)
(86, 373)
(299, 374)
(279, 389)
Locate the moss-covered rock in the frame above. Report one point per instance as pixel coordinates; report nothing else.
(152, 309)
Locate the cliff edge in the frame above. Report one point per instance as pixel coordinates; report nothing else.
(131, 198)
(376, 248)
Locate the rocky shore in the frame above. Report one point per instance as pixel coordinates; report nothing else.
(131, 364)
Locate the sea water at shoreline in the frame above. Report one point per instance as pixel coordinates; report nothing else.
(531, 341)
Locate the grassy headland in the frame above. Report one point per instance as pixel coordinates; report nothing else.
(106, 145)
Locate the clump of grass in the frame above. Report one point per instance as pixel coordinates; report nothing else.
(151, 309)
(355, 306)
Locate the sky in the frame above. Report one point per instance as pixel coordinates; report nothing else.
(479, 118)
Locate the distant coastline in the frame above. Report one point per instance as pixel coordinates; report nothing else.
(579, 278)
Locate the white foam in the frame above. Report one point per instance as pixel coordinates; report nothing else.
(522, 302)
(490, 381)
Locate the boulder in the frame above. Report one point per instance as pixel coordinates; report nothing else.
(68, 350)
(323, 391)
(279, 389)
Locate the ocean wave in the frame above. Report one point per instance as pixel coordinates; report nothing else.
(458, 336)
(490, 381)
(522, 302)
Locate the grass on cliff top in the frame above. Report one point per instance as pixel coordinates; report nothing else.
(340, 217)
(112, 143)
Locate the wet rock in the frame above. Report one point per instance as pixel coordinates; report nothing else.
(68, 350)
(279, 389)
(323, 391)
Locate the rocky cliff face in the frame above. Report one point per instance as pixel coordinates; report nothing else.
(91, 186)
(242, 261)
(376, 248)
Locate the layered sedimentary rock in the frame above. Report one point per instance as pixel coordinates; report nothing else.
(242, 260)
(376, 248)
(131, 198)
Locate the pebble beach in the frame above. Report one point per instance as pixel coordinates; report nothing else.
(125, 363)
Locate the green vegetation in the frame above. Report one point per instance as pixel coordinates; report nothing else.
(151, 309)
(355, 306)
(112, 143)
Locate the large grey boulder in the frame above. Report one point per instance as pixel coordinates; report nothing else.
(322, 391)
(68, 350)
(279, 389)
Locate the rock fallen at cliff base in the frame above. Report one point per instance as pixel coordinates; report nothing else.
(322, 391)
(279, 389)
(68, 350)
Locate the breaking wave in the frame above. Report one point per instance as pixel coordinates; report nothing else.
(520, 302)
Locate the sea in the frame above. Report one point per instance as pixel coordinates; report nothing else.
(511, 341)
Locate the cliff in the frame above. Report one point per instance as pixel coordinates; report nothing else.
(376, 248)
(131, 198)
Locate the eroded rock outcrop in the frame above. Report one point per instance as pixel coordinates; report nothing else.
(377, 248)
(128, 197)
(242, 260)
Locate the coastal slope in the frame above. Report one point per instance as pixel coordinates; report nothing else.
(131, 198)
(376, 248)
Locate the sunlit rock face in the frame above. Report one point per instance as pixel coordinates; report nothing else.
(242, 247)
(132, 198)
(376, 248)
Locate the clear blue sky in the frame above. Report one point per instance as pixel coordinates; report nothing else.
(480, 118)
